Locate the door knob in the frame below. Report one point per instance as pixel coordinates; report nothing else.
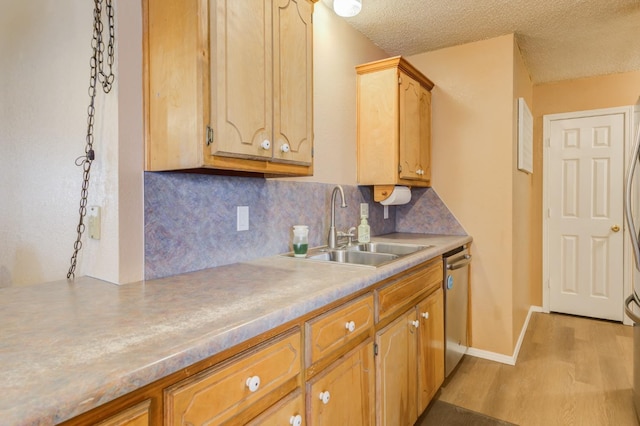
(615, 228)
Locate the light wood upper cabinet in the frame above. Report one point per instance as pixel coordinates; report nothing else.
(394, 124)
(229, 85)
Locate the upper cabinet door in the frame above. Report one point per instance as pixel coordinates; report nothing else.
(425, 135)
(410, 129)
(261, 80)
(241, 78)
(394, 124)
(228, 86)
(415, 130)
(292, 81)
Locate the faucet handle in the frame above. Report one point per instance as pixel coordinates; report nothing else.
(350, 234)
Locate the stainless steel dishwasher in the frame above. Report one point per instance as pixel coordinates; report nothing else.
(456, 302)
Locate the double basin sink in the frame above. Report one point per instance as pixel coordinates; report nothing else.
(366, 254)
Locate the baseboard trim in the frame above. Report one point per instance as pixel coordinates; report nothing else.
(506, 359)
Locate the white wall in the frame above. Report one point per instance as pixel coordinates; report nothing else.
(45, 50)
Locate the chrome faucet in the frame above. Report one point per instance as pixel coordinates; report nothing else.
(332, 240)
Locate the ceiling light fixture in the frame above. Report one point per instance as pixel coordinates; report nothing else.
(347, 8)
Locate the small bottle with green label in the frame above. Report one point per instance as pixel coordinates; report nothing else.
(300, 240)
(364, 231)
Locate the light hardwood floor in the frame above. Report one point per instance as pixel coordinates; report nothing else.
(570, 371)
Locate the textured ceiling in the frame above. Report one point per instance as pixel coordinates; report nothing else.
(559, 39)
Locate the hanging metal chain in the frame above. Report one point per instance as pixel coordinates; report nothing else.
(106, 80)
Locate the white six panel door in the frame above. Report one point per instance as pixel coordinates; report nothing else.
(586, 186)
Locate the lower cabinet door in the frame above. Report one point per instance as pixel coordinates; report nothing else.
(396, 369)
(430, 348)
(289, 411)
(343, 393)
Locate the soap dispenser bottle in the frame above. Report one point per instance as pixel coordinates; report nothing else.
(364, 231)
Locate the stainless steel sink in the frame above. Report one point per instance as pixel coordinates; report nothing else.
(398, 249)
(365, 254)
(353, 257)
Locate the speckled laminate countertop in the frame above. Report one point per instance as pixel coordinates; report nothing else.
(67, 347)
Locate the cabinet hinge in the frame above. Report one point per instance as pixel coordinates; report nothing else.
(399, 168)
(375, 349)
(209, 135)
(312, 152)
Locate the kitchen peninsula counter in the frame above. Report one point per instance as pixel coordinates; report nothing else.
(67, 347)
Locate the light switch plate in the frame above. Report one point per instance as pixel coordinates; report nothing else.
(93, 217)
(243, 218)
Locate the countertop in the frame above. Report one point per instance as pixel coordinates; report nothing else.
(67, 347)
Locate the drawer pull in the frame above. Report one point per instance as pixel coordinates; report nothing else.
(324, 397)
(415, 323)
(253, 383)
(425, 315)
(296, 420)
(351, 326)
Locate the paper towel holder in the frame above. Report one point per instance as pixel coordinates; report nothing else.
(382, 192)
(391, 194)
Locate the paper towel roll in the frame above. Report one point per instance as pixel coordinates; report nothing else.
(399, 195)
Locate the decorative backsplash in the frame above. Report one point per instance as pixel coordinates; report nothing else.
(190, 219)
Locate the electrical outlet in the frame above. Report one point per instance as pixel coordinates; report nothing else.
(243, 218)
(93, 217)
(364, 210)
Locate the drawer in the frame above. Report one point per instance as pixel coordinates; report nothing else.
(220, 392)
(398, 294)
(331, 330)
(289, 411)
(138, 415)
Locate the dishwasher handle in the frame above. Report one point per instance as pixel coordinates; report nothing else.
(460, 263)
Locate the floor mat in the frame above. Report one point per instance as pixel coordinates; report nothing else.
(441, 413)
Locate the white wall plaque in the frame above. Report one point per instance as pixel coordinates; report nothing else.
(525, 137)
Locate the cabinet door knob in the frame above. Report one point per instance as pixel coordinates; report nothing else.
(425, 315)
(284, 147)
(265, 144)
(324, 397)
(415, 323)
(253, 383)
(296, 420)
(351, 325)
